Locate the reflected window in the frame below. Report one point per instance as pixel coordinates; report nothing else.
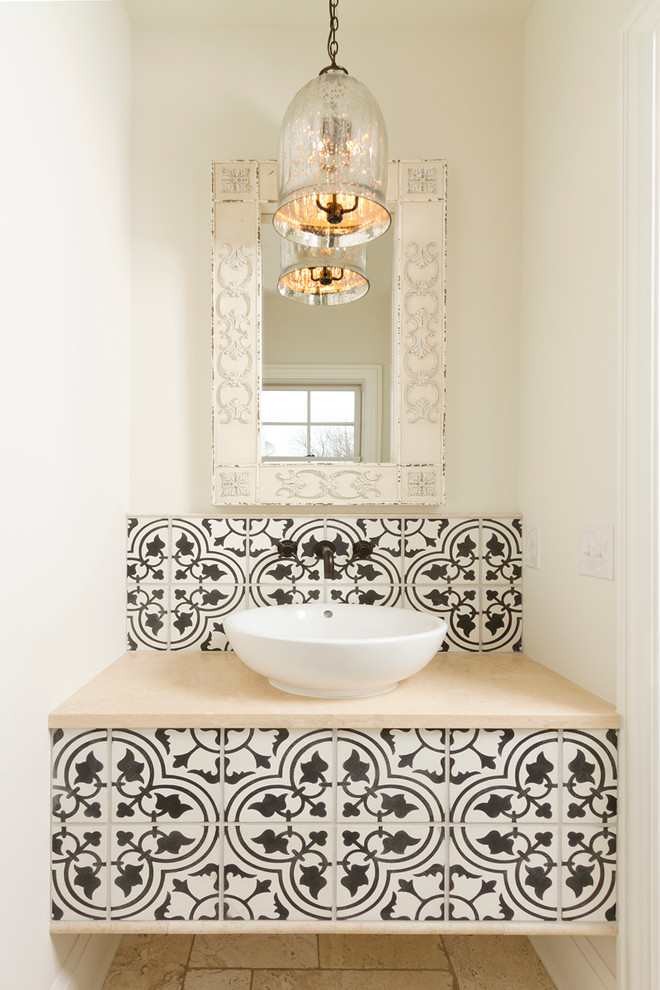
(300, 422)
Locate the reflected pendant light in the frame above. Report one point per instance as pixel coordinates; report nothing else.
(332, 163)
(322, 276)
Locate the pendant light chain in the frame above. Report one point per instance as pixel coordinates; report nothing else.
(333, 44)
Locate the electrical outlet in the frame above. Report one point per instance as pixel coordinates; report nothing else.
(532, 547)
(597, 551)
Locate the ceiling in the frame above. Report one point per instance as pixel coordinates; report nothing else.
(214, 12)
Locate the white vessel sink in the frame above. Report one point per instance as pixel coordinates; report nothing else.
(335, 651)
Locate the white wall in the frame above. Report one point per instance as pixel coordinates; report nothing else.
(569, 360)
(64, 314)
(203, 94)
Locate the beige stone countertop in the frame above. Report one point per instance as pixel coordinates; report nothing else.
(209, 690)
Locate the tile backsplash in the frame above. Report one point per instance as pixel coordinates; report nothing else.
(186, 574)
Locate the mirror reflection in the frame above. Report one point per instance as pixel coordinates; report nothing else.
(327, 371)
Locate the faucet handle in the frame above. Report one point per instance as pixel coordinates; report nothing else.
(288, 549)
(362, 550)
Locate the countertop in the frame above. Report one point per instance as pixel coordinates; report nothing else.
(209, 690)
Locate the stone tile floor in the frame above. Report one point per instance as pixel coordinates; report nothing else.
(326, 962)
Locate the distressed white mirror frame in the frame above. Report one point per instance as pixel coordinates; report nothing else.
(242, 191)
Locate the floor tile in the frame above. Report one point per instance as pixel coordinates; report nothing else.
(382, 952)
(149, 962)
(254, 952)
(217, 979)
(347, 979)
(496, 962)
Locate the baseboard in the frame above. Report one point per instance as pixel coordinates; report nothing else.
(88, 962)
(573, 964)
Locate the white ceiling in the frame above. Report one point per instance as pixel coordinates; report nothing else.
(316, 11)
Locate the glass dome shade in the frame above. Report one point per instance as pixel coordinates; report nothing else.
(332, 165)
(322, 276)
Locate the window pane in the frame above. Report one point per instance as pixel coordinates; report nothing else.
(283, 441)
(333, 406)
(333, 441)
(280, 405)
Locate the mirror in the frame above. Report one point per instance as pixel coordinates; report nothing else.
(328, 405)
(341, 354)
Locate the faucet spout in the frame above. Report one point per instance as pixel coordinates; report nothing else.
(325, 551)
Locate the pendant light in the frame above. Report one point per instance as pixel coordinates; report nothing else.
(322, 276)
(332, 164)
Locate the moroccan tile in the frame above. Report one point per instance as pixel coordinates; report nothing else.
(441, 551)
(588, 873)
(278, 872)
(286, 593)
(367, 551)
(502, 775)
(80, 759)
(79, 872)
(501, 619)
(459, 606)
(589, 775)
(391, 775)
(501, 550)
(503, 873)
(166, 775)
(164, 872)
(267, 565)
(278, 775)
(390, 872)
(148, 617)
(363, 593)
(147, 551)
(209, 552)
(196, 620)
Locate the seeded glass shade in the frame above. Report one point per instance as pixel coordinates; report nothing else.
(322, 276)
(333, 154)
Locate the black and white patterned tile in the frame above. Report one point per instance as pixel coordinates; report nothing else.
(390, 775)
(589, 874)
(278, 872)
(198, 613)
(209, 552)
(267, 565)
(503, 873)
(165, 872)
(148, 550)
(148, 617)
(458, 606)
(364, 594)
(441, 552)
(79, 873)
(166, 775)
(284, 594)
(501, 550)
(367, 551)
(278, 775)
(501, 619)
(80, 775)
(392, 872)
(590, 775)
(503, 775)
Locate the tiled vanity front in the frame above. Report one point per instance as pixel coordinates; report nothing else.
(235, 826)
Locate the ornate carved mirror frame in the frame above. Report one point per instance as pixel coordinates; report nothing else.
(242, 191)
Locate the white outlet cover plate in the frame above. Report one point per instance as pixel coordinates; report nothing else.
(532, 547)
(597, 551)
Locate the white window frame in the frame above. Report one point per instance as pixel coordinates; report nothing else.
(368, 376)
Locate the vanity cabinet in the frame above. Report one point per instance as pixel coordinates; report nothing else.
(210, 827)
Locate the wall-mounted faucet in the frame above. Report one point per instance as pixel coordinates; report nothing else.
(325, 550)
